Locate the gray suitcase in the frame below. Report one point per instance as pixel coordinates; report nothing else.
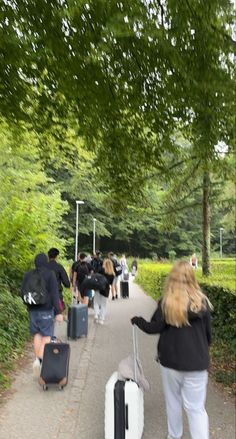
(77, 324)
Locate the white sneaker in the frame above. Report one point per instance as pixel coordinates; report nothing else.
(95, 319)
(36, 368)
(101, 322)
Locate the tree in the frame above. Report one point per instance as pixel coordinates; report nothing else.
(31, 207)
(153, 67)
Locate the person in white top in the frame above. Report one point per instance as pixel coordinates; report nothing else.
(124, 265)
(193, 261)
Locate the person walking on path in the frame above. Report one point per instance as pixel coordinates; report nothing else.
(82, 269)
(134, 267)
(182, 319)
(124, 266)
(41, 316)
(100, 297)
(118, 271)
(60, 272)
(74, 290)
(97, 262)
(193, 261)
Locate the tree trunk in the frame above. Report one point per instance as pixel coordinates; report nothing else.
(206, 214)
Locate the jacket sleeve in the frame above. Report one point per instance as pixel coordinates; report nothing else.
(64, 277)
(155, 326)
(208, 327)
(53, 288)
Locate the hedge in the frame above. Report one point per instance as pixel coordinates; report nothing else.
(13, 331)
(151, 276)
(224, 314)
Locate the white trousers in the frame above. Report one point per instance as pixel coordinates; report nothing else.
(186, 390)
(99, 306)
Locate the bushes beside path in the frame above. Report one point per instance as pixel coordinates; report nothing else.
(14, 333)
(220, 288)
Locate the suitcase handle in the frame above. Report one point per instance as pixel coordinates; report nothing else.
(73, 301)
(135, 350)
(54, 338)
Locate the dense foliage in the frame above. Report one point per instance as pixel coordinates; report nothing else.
(31, 206)
(13, 332)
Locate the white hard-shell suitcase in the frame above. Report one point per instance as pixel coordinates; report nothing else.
(124, 405)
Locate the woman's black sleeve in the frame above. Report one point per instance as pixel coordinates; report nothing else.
(155, 326)
(208, 327)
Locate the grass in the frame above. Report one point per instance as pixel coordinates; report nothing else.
(223, 271)
(223, 274)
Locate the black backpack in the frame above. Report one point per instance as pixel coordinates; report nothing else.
(82, 271)
(117, 269)
(94, 282)
(34, 291)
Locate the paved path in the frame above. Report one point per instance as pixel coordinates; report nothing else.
(77, 412)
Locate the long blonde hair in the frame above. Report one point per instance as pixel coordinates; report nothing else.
(108, 267)
(181, 294)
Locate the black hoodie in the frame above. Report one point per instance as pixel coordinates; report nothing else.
(185, 348)
(41, 263)
(61, 275)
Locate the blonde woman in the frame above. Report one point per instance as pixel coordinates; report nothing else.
(100, 297)
(182, 319)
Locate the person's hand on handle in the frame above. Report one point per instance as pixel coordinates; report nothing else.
(59, 318)
(135, 320)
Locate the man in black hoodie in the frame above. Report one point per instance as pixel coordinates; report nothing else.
(42, 316)
(60, 272)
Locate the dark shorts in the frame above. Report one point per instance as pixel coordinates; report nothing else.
(88, 294)
(42, 322)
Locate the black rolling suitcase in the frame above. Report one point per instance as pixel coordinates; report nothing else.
(77, 324)
(55, 365)
(124, 289)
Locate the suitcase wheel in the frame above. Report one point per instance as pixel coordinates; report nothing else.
(45, 387)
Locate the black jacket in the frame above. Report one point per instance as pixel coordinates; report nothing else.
(110, 278)
(61, 275)
(41, 262)
(96, 265)
(82, 269)
(185, 348)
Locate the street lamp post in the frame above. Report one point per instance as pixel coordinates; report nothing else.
(78, 202)
(94, 235)
(221, 234)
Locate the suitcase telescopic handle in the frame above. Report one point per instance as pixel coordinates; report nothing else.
(72, 297)
(55, 329)
(135, 348)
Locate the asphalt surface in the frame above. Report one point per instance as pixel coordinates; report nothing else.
(77, 412)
